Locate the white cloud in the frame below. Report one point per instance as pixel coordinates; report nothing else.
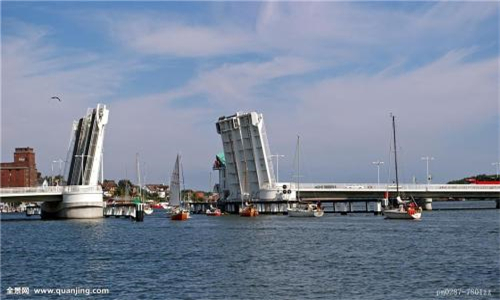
(236, 84)
(153, 34)
(327, 29)
(33, 70)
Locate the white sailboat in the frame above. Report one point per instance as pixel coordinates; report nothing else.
(303, 209)
(406, 209)
(178, 212)
(147, 208)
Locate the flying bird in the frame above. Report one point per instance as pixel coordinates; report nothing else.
(56, 98)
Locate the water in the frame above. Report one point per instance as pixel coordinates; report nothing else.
(270, 257)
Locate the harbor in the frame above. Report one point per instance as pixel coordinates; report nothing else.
(281, 150)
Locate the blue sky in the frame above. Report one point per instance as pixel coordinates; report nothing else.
(329, 71)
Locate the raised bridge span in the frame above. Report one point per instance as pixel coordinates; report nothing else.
(82, 197)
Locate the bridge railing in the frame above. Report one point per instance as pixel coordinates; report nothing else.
(82, 188)
(51, 189)
(32, 190)
(392, 187)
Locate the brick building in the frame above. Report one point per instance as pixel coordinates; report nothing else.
(22, 172)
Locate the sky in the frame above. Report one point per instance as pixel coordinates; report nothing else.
(331, 72)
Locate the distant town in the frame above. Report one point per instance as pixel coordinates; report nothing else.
(22, 172)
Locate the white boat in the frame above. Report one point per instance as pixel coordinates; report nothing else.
(303, 209)
(179, 212)
(406, 209)
(148, 210)
(402, 213)
(213, 211)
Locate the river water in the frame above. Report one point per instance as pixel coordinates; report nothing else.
(358, 256)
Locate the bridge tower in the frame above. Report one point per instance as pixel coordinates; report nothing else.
(248, 166)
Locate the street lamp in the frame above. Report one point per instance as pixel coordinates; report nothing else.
(277, 165)
(378, 163)
(81, 157)
(52, 174)
(427, 159)
(497, 164)
(60, 161)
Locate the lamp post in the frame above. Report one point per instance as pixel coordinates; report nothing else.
(81, 159)
(52, 173)
(427, 159)
(378, 163)
(497, 164)
(60, 161)
(277, 165)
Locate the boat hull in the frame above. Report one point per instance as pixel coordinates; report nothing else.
(309, 211)
(249, 212)
(180, 216)
(215, 213)
(401, 215)
(299, 213)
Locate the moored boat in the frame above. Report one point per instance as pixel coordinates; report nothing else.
(305, 210)
(148, 210)
(213, 211)
(180, 215)
(302, 209)
(406, 209)
(249, 211)
(179, 212)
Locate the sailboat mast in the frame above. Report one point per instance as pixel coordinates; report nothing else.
(182, 176)
(395, 153)
(298, 167)
(138, 170)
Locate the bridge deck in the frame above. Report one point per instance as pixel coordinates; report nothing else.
(346, 190)
(43, 194)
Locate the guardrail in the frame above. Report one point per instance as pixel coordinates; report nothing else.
(391, 187)
(50, 190)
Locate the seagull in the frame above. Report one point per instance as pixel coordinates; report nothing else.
(56, 98)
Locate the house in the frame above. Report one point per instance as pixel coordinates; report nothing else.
(158, 190)
(109, 188)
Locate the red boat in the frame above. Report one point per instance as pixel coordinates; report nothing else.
(249, 211)
(181, 215)
(214, 213)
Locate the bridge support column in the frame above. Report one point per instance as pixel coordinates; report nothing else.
(80, 203)
(377, 208)
(343, 208)
(426, 203)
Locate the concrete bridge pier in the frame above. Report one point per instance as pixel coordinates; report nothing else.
(425, 203)
(76, 204)
(377, 208)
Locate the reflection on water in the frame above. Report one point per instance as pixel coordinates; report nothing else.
(356, 256)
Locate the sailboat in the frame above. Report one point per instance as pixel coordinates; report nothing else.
(178, 212)
(212, 211)
(406, 209)
(302, 209)
(247, 209)
(147, 208)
